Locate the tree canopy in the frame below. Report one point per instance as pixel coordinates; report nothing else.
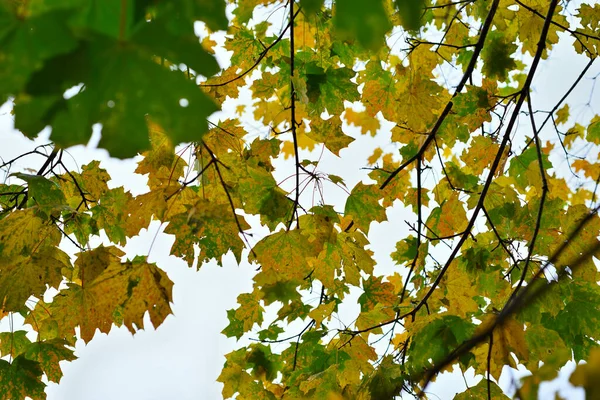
(495, 262)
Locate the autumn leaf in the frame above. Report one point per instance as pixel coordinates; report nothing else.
(562, 115)
(322, 312)
(329, 132)
(587, 375)
(27, 276)
(14, 343)
(480, 391)
(282, 256)
(135, 287)
(507, 338)
(21, 379)
(48, 354)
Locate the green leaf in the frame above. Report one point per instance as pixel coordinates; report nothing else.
(593, 130)
(235, 327)
(21, 379)
(406, 250)
(26, 44)
(480, 392)
(496, 55)
(363, 206)
(577, 319)
(121, 105)
(182, 48)
(111, 212)
(410, 13)
(13, 343)
(437, 338)
(46, 194)
(272, 333)
(329, 89)
(527, 161)
(366, 22)
(311, 6)
(49, 354)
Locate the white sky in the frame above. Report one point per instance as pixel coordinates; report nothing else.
(182, 359)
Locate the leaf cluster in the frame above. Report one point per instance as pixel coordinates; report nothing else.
(495, 257)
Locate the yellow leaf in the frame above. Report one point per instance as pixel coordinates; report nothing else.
(480, 154)
(121, 294)
(588, 375)
(362, 119)
(508, 338)
(577, 131)
(450, 218)
(375, 156)
(240, 109)
(322, 312)
(283, 256)
(562, 115)
(458, 293)
(591, 170)
(329, 132)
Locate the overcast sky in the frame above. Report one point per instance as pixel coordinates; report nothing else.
(182, 359)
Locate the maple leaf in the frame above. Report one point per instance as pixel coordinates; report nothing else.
(593, 130)
(26, 276)
(435, 339)
(497, 56)
(363, 206)
(110, 213)
(362, 119)
(562, 115)
(210, 226)
(480, 391)
(21, 379)
(134, 286)
(586, 375)
(329, 132)
(25, 46)
(410, 13)
(329, 89)
(46, 194)
(368, 23)
(48, 354)
(508, 338)
(282, 256)
(13, 343)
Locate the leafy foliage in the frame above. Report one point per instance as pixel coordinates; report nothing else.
(497, 267)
